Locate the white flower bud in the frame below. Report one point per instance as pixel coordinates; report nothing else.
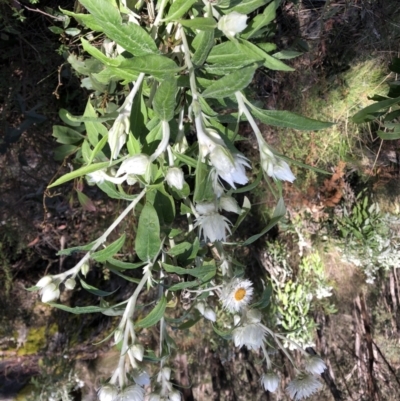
(175, 178)
(107, 393)
(85, 269)
(70, 284)
(270, 381)
(44, 281)
(232, 23)
(118, 133)
(137, 351)
(210, 314)
(50, 293)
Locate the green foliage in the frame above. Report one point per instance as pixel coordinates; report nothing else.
(369, 237)
(385, 110)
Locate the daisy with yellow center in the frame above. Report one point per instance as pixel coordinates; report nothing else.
(237, 294)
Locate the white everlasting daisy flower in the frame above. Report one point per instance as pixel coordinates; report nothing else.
(213, 226)
(315, 365)
(237, 294)
(131, 393)
(303, 386)
(107, 392)
(270, 381)
(206, 311)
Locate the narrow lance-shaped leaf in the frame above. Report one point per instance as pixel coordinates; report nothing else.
(179, 8)
(152, 64)
(228, 85)
(130, 36)
(279, 212)
(110, 250)
(367, 113)
(203, 43)
(154, 316)
(203, 24)
(280, 118)
(148, 241)
(248, 6)
(164, 100)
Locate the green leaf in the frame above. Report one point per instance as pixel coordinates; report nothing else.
(154, 316)
(110, 189)
(79, 310)
(286, 54)
(202, 24)
(66, 135)
(270, 62)
(72, 31)
(226, 335)
(85, 19)
(85, 202)
(203, 43)
(56, 29)
(110, 250)
(94, 290)
(100, 145)
(165, 206)
(124, 265)
(265, 298)
(124, 276)
(179, 249)
(184, 284)
(279, 118)
(93, 128)
(203, 191)
(366, 114)
(228, 85)
(148, 241)
(279, 212)
(248, 6)
(130, 36)
(185, 159)
(198, 272)
(79, 173)
(261, 20)
(74, 249)
(152, 64)
(389, 135)
(179, 8)
(97, 54)
(164, 100)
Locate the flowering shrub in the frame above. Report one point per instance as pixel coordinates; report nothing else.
(181, 69)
